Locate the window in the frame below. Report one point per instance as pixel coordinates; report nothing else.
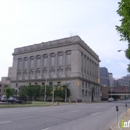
(19, 63)
(43, 83)
(38, 74)
(83, 84)
(0, 90)
(31, 62)
(58, 83)
(45, 60)
(16, 85)
(0, 85)
(60, 58)
(82, 93)
(68, 72)
(86, 93)
(44, 73)
(68, 57)
(38, 60)
(29, 83)
(25, 63)
(50, 83)
(52, 59)
(60, 71)
(52, 72)
(31, 74)
(35, 83)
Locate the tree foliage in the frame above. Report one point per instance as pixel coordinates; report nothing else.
(9, 92)
(36, 91)
(124, 13)
(124, 28)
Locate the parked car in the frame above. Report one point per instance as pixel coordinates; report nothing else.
(3, 98)
(110, 99)
(14, 100)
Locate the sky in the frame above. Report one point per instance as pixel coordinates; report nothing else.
(26, 22)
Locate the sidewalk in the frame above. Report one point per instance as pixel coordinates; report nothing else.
(125, 118)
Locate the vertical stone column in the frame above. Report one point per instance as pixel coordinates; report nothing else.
(28, 65)
(35, 66)
(64, 63)
(48, 65)
(41, 64)
(22, 69)
(56, 64)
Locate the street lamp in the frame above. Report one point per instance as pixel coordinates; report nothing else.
(45, 90)
(121, 50)
(67, 83)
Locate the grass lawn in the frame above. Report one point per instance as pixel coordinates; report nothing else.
(34, 103)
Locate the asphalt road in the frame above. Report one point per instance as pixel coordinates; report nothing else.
(78, 116)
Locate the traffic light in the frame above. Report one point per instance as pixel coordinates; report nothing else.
(117, 109)
(78, 83)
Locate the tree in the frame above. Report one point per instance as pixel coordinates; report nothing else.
(124, 12)
(48, 91)
(9, 92)
(124, 28)
(23, 91)
(36, 91)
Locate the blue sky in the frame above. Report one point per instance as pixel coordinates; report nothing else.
(25, 22)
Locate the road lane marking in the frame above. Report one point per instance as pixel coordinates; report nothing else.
(46, 129)
(95, 113)
(74, 111)
(5, 122)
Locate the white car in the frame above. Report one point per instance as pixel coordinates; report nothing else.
(3, 98)
(110, 99)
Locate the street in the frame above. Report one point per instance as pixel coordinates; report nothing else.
(78, 116)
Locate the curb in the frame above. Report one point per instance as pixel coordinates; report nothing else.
(110, 128)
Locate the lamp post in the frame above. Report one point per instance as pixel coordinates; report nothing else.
(45, 90)
(67, 83)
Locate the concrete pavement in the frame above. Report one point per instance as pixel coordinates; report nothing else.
(78, 116)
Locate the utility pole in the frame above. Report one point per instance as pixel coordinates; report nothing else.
(67, 83)
(45, 91)
(53, 95)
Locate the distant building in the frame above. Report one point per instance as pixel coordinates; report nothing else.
(68, 59)
(111, 80)
(5, 81)
(122, 82)
(104, 76)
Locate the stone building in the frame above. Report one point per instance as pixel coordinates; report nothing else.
(104, 76)
(57, 62)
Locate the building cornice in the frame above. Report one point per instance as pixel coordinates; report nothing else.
(54, 44)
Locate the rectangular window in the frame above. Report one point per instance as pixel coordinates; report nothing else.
(31, 62)
(38, 60)
(58, 83)
(50, 83)
(43, 83)
(52, 59)
(25, 63)
(68, 57)
(60, 58)
(20, 64)
(45, 60)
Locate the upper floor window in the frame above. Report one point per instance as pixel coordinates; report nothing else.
(19, 63)
(68, 57)
(31, 62)
(25, 63)
(52, 59)
(60, 58)
(45, 60)
(38, 61)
